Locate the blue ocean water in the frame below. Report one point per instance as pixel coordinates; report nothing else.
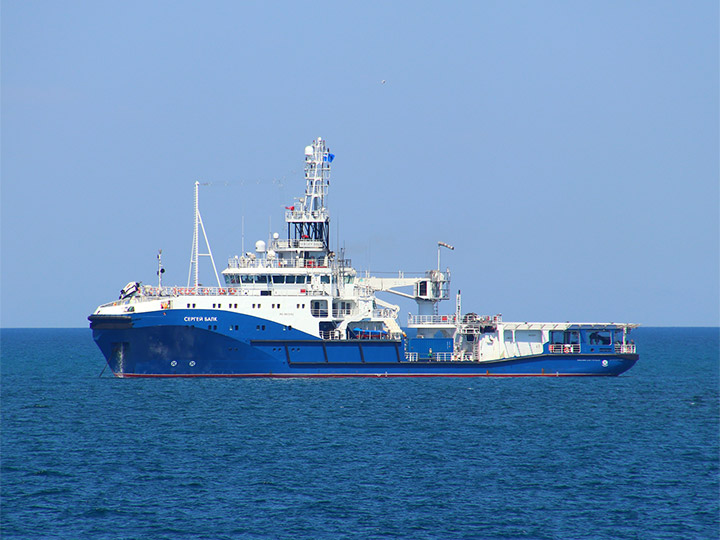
(95, 457)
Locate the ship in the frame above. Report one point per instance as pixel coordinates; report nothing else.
(295, 308)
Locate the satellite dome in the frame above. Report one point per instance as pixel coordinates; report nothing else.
(308, 150)
(260, 246)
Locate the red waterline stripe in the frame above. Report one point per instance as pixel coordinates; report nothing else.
(344, 375)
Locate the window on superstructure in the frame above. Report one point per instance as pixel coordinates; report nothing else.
(246, 279)
(324, 279)
(600, 337)
(278, 279)
(289, 279)
(261, 279)
(319, 308)
(300, 279)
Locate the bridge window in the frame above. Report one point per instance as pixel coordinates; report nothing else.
(568, 337)
(278, 279)
(246, 279)
(599, 337)
(324, 279)
(289, 279)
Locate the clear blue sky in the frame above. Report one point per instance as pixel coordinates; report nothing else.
(569, 150)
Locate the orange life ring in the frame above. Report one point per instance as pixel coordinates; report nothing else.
(568, 349)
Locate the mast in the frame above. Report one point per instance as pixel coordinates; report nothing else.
(160, 270)
(309, 219)
(195, 253)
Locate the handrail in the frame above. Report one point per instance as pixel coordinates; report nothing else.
(147, 292)
(431, 319)
(308, 215)
(245, 262)
(441, 357)
(302, 244)
(561, 348)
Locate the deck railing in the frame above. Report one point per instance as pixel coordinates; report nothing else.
(451, 319)
(244, 262)
(628, 348)
(564, 348)
(439, 357)
(431, 319)
(298, 244)
(237, 290)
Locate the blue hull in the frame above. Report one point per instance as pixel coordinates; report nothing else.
(217, 344)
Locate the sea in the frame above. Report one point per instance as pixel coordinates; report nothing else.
(89, 456)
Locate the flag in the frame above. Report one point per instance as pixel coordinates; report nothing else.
(329, 157)
(291, 208)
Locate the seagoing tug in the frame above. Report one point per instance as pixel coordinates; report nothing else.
(294, 308)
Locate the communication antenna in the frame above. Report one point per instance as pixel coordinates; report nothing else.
(195, 253)
(160, 270)
(443, 244)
